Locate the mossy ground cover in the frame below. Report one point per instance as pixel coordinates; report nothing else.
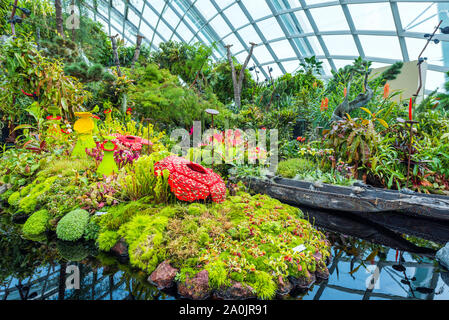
(247, 239)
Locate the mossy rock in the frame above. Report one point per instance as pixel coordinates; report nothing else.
(73, 225)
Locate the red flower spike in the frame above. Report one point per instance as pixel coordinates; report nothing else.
(190, 181)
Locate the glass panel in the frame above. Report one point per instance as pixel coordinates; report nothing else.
(236, 16)
(283, 49)
(372, 16)
(232, 40)
(329, 18)
(184, 32)
(258, 9)
(303, 21)
(249, 34)
(317, 50)
(341, 45)
(291, 66)
(270, 29)
(433, 53)
(206, 8)
(418, 17)
(171, 17)
(220, 26)
(262, 54)
(381, 46)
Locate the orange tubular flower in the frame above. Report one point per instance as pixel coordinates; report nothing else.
(326, 103)
(345, 92)
(386, 91)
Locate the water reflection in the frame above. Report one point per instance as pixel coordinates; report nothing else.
(360, 270)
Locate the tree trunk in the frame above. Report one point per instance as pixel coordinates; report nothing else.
(361, 100)
(72, 13)
(13, 13)
(238, 82)
(59, 21)
(137, 51)
(115, 51)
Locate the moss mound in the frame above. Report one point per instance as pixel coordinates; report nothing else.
(36, 224)
(291, 167)
(73, 225)
(255, 241)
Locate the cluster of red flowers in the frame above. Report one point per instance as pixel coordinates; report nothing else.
(301, 139)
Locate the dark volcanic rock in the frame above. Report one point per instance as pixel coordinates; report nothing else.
(120, 249)
(284, 286)
(303, 283)
(196, 288)
(322, 273)
(20, 218)
(163, 276)
(237, 291)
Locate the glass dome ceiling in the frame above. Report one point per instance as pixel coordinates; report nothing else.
(286, 31)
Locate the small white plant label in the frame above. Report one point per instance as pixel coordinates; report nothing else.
(299, 248)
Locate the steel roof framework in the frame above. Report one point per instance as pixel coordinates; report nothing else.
(190, 16)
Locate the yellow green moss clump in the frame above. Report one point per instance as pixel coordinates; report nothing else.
(252, 242)
(36, 224)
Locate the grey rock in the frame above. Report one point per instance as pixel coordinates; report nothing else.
(442, 256)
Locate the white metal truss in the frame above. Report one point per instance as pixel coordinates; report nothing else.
(194, 24)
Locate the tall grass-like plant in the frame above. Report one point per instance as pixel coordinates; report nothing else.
(141, 181)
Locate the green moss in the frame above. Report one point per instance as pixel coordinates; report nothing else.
(263, 284)
(65, 168)
(36, 224)
(72, 226)
(32, 192)
(92, 230)
(5, 196)
(106, 240)
(248, 239)
(291, 167)
(218, 274)
(13, 199)
(196, 209)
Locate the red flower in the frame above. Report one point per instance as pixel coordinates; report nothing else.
(57, 118)
(190, 181)
(95, 117)
(301, 139)
(129, 111)
(107, 111)
(113, 149)
(63, 131)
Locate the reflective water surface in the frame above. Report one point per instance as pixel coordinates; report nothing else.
(360, 270)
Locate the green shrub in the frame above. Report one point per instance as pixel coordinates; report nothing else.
(36, 224)
(291, 167)
(72, 226)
